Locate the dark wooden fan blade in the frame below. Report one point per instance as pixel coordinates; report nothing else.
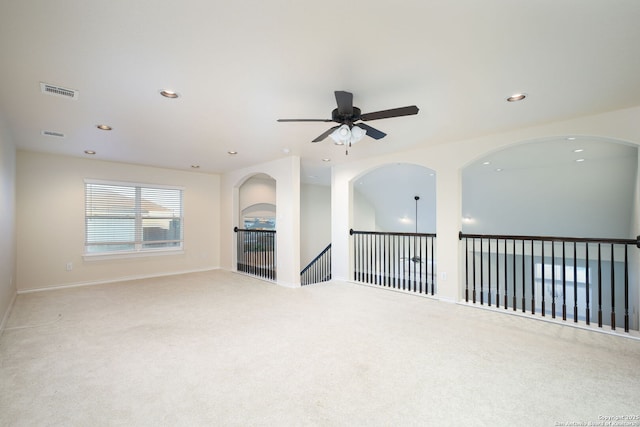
(325, 134)
(305, 120)
(345, 102)
(386, 114)
(372, 132)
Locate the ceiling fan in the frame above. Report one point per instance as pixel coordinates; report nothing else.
(347, 133)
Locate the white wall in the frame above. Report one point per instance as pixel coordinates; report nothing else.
(448, 160)
(7, 224)
(50, 221)
(315, 221)
(286, 172)
(364, 213)
(552, 195)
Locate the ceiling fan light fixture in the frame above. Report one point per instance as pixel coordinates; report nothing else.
(341, 135)
(357, 133)
(345, 135)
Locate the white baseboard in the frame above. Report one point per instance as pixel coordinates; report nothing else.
(5, 318)
(114, 280)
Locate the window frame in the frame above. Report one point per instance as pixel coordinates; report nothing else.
(138, 243)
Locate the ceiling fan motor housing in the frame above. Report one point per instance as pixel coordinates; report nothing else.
(346, 119)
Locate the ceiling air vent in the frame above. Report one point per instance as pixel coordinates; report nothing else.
(59, 91)
(53, 133)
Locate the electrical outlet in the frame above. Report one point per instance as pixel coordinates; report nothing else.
(443, 275)
(69, 266)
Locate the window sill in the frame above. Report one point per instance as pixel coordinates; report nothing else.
(132, 254)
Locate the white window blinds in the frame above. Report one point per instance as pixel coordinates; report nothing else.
(122, 217)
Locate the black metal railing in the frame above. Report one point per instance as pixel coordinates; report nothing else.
(319, 269)
(256, 252)
(405, 261)
(551, 276)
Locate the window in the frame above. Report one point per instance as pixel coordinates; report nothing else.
(126, 218)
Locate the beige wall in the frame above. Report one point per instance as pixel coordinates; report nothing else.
(7, 224)
(50, 221)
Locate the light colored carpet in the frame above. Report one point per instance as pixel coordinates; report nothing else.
(219, 348)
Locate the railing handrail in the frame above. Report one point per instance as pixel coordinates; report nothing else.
(324, 251)
(636, 242)
(391, 233)
(236, 229)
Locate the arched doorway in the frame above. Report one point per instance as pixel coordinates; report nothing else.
(255, 241)
(547, 226)
(393, 228)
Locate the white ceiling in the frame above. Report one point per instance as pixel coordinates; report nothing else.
(239, 66)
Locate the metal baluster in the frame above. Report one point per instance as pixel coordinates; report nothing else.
(575, 284)
(474, 270)
(542, 285)
(588, 319)
(394, 262)
(384, 261)
(466, 269)
(361, 272)
(489, 271)
(506, 285)
(599, 287)
(403, 256)
(533, 282)
(515, 301)
(411, 274)
(424, 269)
(497, 274)
(564, 283)
(481, 273)
(356, 258)
(626, 289)
(613, 291)
(524, 275)
(372, 256)
(553, 279)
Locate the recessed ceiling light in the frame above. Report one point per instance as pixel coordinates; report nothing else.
(517, 97)
(326, 160)
(169, 94)
(91, 152)
(579, 160)
(578, 150)
(233, 153)
(571, 138)
(104, 127)
(499, 170)
(486, 163)
(195, 166)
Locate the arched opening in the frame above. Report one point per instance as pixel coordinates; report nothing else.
(393, 228)
(548, 226)
(256, 236)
